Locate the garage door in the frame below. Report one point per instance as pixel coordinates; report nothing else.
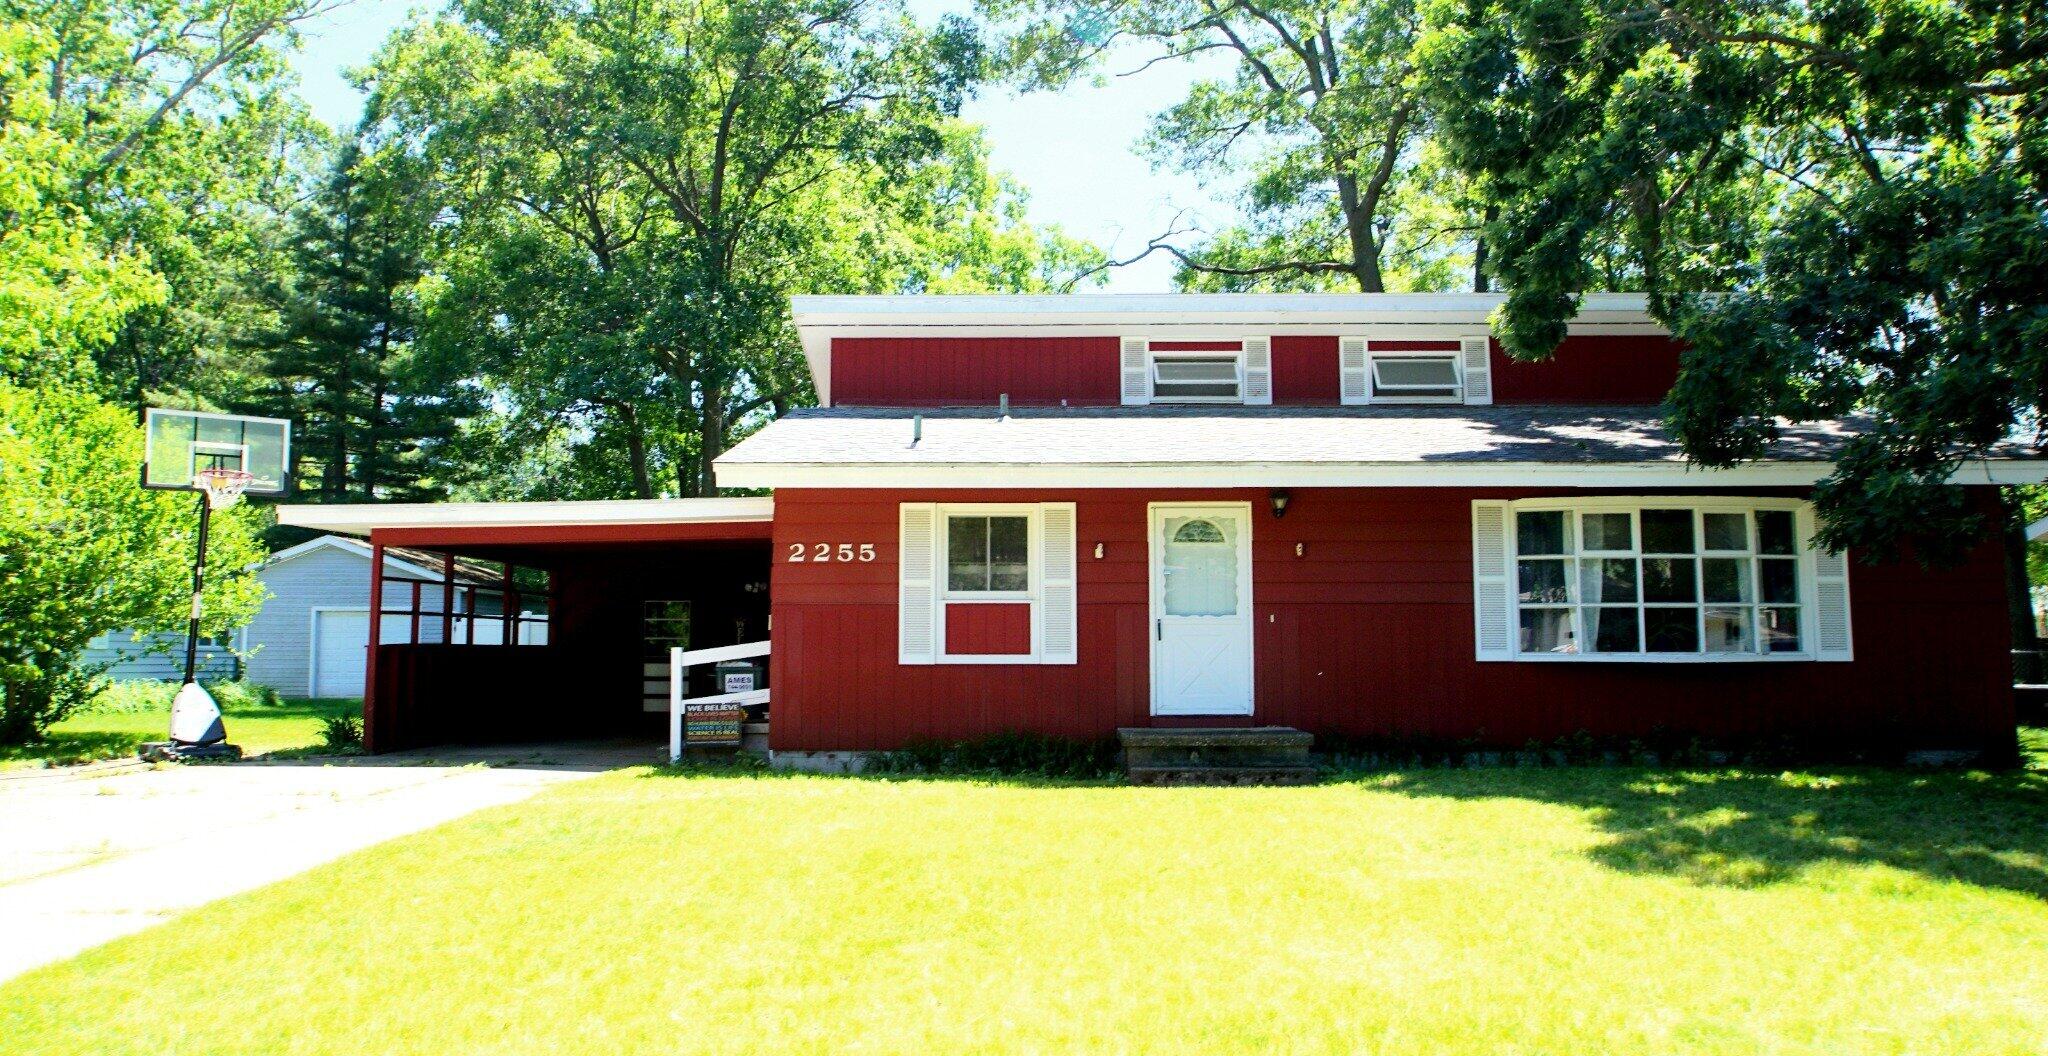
(340, 640)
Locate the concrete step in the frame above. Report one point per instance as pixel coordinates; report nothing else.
(1224, 755)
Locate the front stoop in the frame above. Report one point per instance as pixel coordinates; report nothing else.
(1262, 755)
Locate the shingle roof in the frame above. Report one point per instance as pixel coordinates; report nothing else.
(1168, 435)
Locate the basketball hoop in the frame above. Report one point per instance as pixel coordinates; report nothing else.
(223, 487)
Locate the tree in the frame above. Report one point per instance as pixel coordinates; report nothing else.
(84, 551)
(372, 423)
(1865, 176)
(633, 189)
(1323, 118)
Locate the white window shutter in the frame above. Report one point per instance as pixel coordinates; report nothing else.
(1137, 372)
(916, 583)
(1831, 607)
(1490, 567)
(1351, 381)
(1477, 353)
(1258, 371)
(1058, 613)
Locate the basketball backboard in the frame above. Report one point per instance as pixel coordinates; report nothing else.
(178, 444)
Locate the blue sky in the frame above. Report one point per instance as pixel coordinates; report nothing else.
(1074, 150)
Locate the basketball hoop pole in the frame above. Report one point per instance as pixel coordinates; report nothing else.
(198, 592)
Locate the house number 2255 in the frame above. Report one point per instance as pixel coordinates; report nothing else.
(831, 552)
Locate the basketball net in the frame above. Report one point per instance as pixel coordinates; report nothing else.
(223, 487)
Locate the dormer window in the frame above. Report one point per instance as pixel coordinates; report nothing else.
(1197, 371)
(1416, 377)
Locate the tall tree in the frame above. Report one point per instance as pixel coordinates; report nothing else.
(635, 187)
(1322, 119)
(371, 418)
(1866, 176)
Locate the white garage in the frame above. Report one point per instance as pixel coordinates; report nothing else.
(341, 641)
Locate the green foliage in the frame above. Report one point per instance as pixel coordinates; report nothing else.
(84, 551)
(136, 695)
(342, 734)
(628, 193)
(1866, 177)
(1022, 753)
(1321, 126)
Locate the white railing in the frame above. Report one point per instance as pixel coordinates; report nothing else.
(679, 664)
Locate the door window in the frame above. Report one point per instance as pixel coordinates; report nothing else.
(1200, 569)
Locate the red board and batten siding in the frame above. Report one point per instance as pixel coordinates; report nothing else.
(1369, 634)
(1042, 371)
(988, 629)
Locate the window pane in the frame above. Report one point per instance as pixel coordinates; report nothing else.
(1540, 533)
(1608, 531)
(1614, 630)
(1413, 372)
(1669, 578)
(1009, 548)
(1541, 582)
(1195, 377)
(1672, 630)
(1774, 532)
(1201, 576)
(1727, 531)
(1547, 631)
(1725, 578)
(967, 553)
(1608, 579)
(1728, 631)
(1780, 629)
(1667, 532)
(1780, 578)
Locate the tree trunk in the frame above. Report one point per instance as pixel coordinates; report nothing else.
(710, 437)
(1479, 281)
(1365, 252)
(636, 450)
(2019, 594)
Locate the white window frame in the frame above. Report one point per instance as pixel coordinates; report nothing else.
(1573, 508)
(1153, 354)
(1374, 356)
(1033, 595)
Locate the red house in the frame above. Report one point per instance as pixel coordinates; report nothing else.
(1352, 515)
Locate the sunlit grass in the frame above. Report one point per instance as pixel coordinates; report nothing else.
(1427, 912)
(258, 728)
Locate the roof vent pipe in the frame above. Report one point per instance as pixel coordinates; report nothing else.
(916, 429)
(1003, 405)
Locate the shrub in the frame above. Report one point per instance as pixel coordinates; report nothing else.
(144, 695)
(342, 734)
(1012, 754)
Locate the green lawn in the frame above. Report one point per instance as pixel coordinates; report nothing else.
(259, 728)
(1425, 912)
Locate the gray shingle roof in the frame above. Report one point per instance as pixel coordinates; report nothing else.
(1268, 435)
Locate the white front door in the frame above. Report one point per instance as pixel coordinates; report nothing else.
(1201, 609)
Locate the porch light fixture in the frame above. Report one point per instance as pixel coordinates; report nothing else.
(1098, 551)
(1280, 498)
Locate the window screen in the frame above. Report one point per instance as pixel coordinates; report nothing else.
(1204, 378)
(1415, 377)
(987, 554)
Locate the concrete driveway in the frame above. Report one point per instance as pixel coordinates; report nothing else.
(88, 857)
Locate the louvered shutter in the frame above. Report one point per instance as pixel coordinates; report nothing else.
(1830, 605)
(1058, 614)
(1490, 581)
(1258, 370)
(916, 580)
(1137, 387)
(1351, 380)
(1477, 353)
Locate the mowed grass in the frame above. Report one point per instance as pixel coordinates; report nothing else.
(259, 728)
(1429, 912)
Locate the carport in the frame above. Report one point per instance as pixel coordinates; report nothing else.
(571, 640)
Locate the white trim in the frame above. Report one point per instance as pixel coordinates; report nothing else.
(1224, 316)
(1155, 589)
(361, 518)
(1031, 596)
(1808, 603)
(1316, 474)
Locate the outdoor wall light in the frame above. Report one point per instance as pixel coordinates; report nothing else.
(1300, 549)
(1280, 498)
(1098, 551)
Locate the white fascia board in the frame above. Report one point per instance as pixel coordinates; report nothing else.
(1324, 475)
(360, 519)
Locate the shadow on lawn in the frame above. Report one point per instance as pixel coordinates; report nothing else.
(1740, 828)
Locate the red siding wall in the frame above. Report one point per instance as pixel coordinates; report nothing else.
(1042, 371)
(1368, 633)
(1590, 370)
(931, 372)
(981, 629)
